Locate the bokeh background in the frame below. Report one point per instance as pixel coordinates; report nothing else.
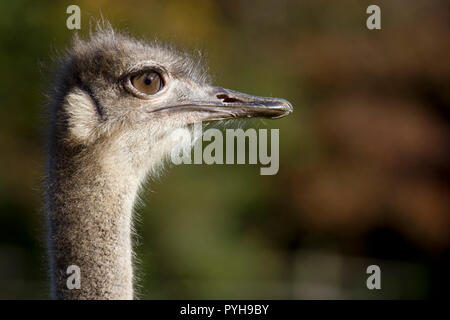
(364, 159)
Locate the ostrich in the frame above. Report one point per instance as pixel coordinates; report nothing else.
(115, 102)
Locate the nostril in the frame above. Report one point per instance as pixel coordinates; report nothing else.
(226, 98)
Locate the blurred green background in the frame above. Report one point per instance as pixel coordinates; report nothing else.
(364, 159)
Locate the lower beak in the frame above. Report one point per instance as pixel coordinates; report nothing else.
(221, 104)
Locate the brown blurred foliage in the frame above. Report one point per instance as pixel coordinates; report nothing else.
(381, 114)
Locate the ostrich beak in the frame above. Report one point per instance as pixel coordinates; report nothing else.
(216, 103)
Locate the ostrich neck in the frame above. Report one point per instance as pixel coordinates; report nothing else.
(89, 211)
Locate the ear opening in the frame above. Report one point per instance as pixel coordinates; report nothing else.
(82, 116)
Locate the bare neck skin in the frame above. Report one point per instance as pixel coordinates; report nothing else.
(89, 211)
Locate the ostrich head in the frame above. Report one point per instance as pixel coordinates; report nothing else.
(115, 105)
(130, 94)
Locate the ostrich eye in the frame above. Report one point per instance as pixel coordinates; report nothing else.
(147, 83)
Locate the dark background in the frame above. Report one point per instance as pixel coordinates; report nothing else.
(364, 160)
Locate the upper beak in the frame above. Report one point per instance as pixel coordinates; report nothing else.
(218, 104)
